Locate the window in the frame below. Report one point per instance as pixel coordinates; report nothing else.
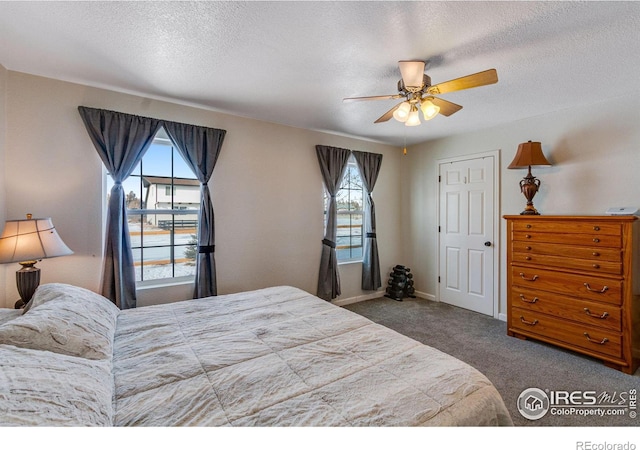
(163, 201)
(350, 206)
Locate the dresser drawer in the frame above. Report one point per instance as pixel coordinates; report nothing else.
(601, 315)
(607, 267)
(587, 287)
(572, 251)
(585, 240)
(594, 339)
(571, 283)
(571, 227)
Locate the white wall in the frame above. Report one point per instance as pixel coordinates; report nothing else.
(595, 152)
(266, 188)
(3, 121)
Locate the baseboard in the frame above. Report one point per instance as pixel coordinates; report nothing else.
(376, 294)
(426, 296)
(359, 298)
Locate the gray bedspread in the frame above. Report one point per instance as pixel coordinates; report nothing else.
(273, 357)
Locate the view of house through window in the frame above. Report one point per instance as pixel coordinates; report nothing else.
(350, 214)
(163, 201)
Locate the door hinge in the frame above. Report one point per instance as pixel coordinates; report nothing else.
(439, 229)
(439, 178)
(438, 279)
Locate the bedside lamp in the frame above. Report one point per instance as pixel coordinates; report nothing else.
(27, 242)
(529, 154)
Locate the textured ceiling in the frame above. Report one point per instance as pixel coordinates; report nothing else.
(293, 62)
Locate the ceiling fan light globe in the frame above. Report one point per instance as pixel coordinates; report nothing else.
(401, 114)
(414, 119)
(429, 110)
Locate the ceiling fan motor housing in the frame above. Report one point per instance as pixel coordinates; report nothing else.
(426, 82)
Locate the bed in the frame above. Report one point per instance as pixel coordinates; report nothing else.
(272, 357)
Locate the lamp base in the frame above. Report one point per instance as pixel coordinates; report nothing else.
(529, 186)
(530, 211)
(20, 304)
(27, 281)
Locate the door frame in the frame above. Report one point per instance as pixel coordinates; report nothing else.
(496, 221)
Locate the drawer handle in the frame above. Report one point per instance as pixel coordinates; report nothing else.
(529, 323)
(527, 248)
(602, 342)
(528, 236)
(601, 291)
(528, 225)
(524, 299)
(596, 240)
(535, 277)
(528, 258)
(595, 254)
(596, 266)
(596, 228)
(604, 315)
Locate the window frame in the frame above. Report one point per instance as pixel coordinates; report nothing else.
(351, 163)
(161, 138)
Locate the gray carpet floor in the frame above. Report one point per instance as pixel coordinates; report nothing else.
(511, 364)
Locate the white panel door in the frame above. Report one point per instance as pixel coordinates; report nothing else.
(466, 234)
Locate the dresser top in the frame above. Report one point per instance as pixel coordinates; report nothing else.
(573, 218)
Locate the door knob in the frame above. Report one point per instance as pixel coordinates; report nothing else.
(487, 244)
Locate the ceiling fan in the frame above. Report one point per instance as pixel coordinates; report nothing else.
(415, 87)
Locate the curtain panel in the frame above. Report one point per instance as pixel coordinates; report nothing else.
(333, 162)
(200, 147)
(369, 165)
(121, 140)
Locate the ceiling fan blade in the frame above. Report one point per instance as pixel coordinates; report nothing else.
(412, 73)
(470, 81)
(388, 115)
(446, 107)
(374, 97)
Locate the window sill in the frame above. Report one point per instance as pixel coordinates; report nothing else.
(167, 282)
(344, 263)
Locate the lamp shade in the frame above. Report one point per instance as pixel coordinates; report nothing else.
(30, 240)
(529, 154)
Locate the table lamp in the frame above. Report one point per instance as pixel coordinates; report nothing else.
(529, 154)
(26, 242)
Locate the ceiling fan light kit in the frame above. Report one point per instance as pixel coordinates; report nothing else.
(419, 95)
(414, 117)
(429, 110)
(401, 114)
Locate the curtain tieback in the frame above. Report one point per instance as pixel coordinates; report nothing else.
(329, 243)
(371, 235)
(206, 249)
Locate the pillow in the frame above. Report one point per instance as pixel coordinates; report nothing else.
(51, 291)
(49, 389)
(65, 319)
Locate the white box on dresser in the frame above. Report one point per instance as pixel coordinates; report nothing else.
(573, 281)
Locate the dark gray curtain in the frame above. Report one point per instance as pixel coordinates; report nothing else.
(200, 147)
(333, 162)
(369, 164)
(121, 140)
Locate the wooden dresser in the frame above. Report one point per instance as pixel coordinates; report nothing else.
(571, 282)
